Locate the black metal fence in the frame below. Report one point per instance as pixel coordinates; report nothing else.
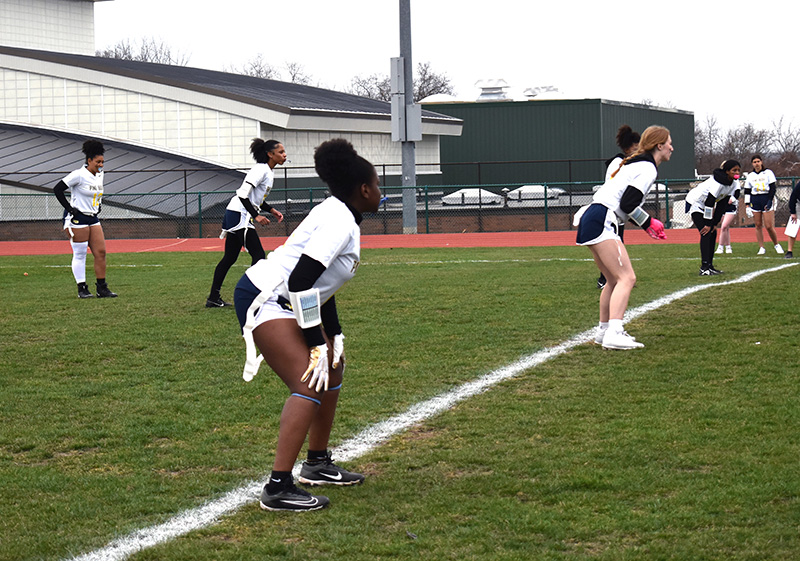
(439, 209)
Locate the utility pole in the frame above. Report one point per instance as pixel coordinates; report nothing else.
(406, 118)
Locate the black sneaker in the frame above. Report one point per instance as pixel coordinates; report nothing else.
(292, 498)
(715, 271)
(788, 255)
(104, 292)
(325, 472)
(601, 282)
(83, 291)
(705, 272)
(216, 302)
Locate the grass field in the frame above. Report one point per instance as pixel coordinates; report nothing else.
(119, 414)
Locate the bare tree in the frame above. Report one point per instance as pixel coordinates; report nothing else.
(744, 141)
(148, 49)
(707, 145)
(297, 74)
(256, 67)
(378, 86)
(373, 86)
(427, 82)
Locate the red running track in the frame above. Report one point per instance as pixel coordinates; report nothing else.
(490, 239)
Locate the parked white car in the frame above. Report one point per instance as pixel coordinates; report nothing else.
(533, 192)
(472, 196)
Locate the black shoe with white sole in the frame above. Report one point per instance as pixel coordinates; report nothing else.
(83, 291)
(216, 302)
(292, 498)
(325, 472)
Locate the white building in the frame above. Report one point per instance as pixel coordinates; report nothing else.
(51, 84)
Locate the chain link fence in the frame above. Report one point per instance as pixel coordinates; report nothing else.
(26, 215)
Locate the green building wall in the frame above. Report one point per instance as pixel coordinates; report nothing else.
(569, 139)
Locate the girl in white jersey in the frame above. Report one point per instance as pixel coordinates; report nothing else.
(759, 196)
(80, 218)
(238, 229)
(628, 141)
(707, 204)
(286, 307)
(622, 197)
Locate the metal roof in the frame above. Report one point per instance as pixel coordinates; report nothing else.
(272, 94)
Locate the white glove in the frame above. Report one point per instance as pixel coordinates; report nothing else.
(749, 212)
(317, 368)
(338, 348)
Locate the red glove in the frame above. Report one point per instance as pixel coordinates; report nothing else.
(656, 229)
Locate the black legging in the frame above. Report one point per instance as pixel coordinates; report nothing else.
(707, 242)
(234, 241)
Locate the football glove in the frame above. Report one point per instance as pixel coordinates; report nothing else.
(338, 349)
(317, 368)
(656, 229)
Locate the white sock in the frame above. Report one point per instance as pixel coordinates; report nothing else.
(603, 325)
(79, 250)
(615, 325)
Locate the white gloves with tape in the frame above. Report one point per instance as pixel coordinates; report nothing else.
(338, 349)
(749, 211)
(317, 368)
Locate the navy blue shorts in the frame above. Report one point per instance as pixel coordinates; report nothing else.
(80, 219)
(243, 295)
(597, 224)
(232, 219)
(762, 203)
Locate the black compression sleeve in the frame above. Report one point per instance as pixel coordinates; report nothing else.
(719, 211)
(249, 206)
(330, 318)
(711, 200)
(631, 198)
(303, 277)
(773, 188)
(266, 207)
(60, 191)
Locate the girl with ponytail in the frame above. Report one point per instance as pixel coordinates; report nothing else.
(287, 310)
(622, 196)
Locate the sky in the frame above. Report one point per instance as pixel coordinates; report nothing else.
(734, 61)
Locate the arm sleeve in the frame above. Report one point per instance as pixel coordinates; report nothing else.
(773, 188)
(60, 191)
(330, 318)
(629, 204)
(266, 207)
(719, 211)
(709, 208)
(631, 198)
(249, 206)
(303, 277)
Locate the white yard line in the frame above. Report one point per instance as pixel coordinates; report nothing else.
(372, 437)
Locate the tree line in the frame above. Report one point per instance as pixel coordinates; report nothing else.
(779, 146)
(427, 82)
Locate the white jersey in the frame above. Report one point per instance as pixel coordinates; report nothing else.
(640, 174)
(330, 235)
(86, 190)
(256, 186)
(759, 183)
(698, 195)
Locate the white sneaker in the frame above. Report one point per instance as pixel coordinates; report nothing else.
(598, 335)
(728, 249)
(779, 249)
(761, 251)
(620, 340)
(720, 249)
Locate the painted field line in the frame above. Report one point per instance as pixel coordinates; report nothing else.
(370, 438)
